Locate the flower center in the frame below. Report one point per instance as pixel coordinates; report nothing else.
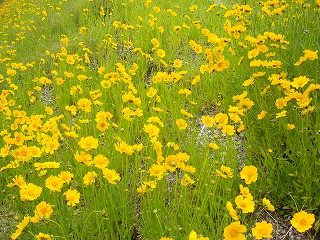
(233, 233)
(303, 222)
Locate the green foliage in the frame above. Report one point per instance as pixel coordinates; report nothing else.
(154, 109)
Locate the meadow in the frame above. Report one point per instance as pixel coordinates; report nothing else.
(152, 119)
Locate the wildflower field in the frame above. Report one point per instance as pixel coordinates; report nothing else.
(155, 119)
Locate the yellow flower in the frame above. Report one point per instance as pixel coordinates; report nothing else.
(266, 202)
(72, 109)
(182, 124)
(193, 236)
(42, 236)
(157, 170)
(253, 53)
(193, 8)
(312, 55)
(147, 186)
(83, 157)
(122, 147)
(30, 192)
(161, 53)
(151, 92)
(11, 72)
(103, 125)
(213, 146)
(70, 59)
(20, 227)
(290, 126)
(299, 82)
(111, 175)
(186, 180)
(72, 197)
(171, 163)
(54, 183)
(249, 174)
(196, 80)
(82, 77)
(177, 63)
(225, 172)
(228, 129)
(281, 114)
(151, 130)
(88, 143)
(185, 92)
(101, 161)
(207, 121)
(155, 42)
(248, 82)
(302, 221)
(281, 103)
(89, 178)
(232, 211)
(43, 211)
(155, 120)
(245, 192)
(196, 47)
(234, 231)
(246, 204)
(161, 29)
(18, 181)
(84, 104)
(262, 230)
(49, 110)
(221, 119)
(156, 9)
(66, 176)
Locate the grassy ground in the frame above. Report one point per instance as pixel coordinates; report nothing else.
(158, 120)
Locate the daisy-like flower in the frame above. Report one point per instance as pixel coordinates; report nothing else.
(54, 183)
(157, 170)
(221, 119)
(18, 181)
(151, 92)
(225, 172)
(72, 197)
(207, 121)
(161, 53)
(302, 221)
(194, 236)
(89, 178)
(266, 202)
(232, 211)
(234, 231)
(299, 82)
(88, 143)
(66, 176)
(262, 230)
(213, 146)
(246, 204)
(43, 236)
(111, 175)
(177, 63)
(43, 211)
(182, 124)
(249, 174)
(186, 180)
(30, 192)
(151, 130)
(101, 161)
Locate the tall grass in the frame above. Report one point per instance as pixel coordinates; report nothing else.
(147, 120)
